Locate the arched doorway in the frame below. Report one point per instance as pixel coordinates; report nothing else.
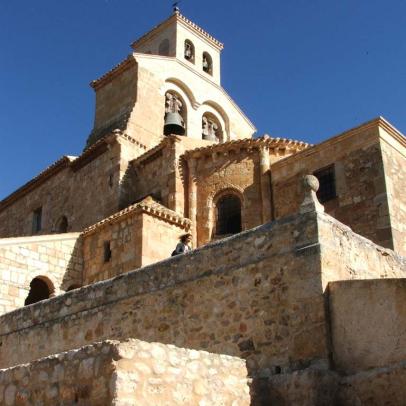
(228, 219)
(40, 289)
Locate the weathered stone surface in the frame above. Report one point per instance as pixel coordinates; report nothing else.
(108, 373)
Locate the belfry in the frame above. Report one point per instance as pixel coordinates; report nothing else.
(291, 288)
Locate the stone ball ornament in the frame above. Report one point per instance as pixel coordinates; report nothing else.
(311, 182)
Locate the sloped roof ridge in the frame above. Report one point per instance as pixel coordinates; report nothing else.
(266, 140)
(55, 167)
(121, 66)
(147, 205)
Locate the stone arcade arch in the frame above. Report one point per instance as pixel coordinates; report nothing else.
(175, 105)
(41, 288)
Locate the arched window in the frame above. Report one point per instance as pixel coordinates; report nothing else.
(189, 51)
(164, 47)
(175, 114)
(228, 215)
(62, 225)
(207, 63)
(40, 289)
(211, 128)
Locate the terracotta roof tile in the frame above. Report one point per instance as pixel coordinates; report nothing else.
(148, 205)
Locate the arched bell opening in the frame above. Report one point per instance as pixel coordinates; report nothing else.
(207, 63)
(175, 114)
(41, 288)
(211, 128)
(163, 48)
(62, 225)
(189, 53)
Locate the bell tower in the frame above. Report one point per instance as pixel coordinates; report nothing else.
(180, 38)
(169, 84)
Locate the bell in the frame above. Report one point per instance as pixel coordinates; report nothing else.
(174, 124)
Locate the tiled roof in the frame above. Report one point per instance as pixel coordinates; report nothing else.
(265, 141)
(148, 205)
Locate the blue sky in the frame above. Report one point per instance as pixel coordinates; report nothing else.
(299, 69)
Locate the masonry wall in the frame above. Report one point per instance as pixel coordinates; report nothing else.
(127, 373)
(258, 295)
(255, 295)
(115, 101)
(235, 171)
(368, 323)
(361, 200)
(57, 259)
(394, 161)
(136, 240)
(84, 196)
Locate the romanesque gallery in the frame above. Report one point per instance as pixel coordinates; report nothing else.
(294, 292)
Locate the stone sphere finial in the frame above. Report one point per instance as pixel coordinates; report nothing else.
(311, 182)
(310, 203)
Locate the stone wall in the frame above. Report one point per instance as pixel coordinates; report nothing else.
(57, 259)
(368, 323)
(85, 191)
(135, 239)
(127, 373)
(235, 172)
(394, 157)
(256, 295)
(361, 200)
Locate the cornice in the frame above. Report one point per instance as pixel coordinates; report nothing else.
(114, 72)
(378, 122)
(147, 206)
(178, 17)
(47, 173)
(247, 143)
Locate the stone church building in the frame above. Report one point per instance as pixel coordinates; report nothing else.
(294, 293)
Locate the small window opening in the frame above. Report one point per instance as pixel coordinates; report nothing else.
(189, 51)
(107, 251)
(111, 178)
(228, 215)
(39, 290)
(327, 189)
(164, 47)
(37, 220)
(207, 63)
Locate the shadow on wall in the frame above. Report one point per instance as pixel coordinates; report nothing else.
(73, 277)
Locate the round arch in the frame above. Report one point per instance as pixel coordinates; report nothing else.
(61, 225)
(215, 197)
(182, 88)
(214, 108)
(41, 288)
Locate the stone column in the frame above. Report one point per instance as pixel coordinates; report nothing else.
(193, 199)
(264, 166)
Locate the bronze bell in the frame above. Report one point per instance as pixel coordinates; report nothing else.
(174, 124)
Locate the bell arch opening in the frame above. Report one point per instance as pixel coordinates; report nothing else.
(211, 128)
(228, 215)
(175, 114)
(40, 289)
(164, 47)
(189, 52)
(207, 64)
(62, 225)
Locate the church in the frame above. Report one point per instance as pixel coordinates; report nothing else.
(294, 292)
